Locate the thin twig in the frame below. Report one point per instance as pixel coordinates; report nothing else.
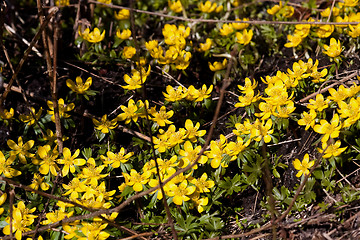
(252, 22)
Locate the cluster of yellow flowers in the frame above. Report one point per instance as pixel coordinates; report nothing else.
(341, 12)
(175, 39)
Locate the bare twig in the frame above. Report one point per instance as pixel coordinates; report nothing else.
(253, 22)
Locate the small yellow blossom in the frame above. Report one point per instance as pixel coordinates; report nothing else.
(175, 6)
(325, 31)
(123, 14)
(94, 37)
(240, 26)
(32, 117)
(79, 87)
(226, 29)
(308, 119)
(293, 40)
(244, 37)
(62, 3)
(37, 182)
(105, 125)
(128, 52)
(207, 7)
(216, 66)
(303, 167)
(205, 46)
(125, 34)
(181, 192)
(7, 115)
(328, 130)
(332, 149)
(62, 109)
(21, 149)
(334, 49)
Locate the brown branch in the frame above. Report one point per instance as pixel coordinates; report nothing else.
(54, 90)
(252, 22)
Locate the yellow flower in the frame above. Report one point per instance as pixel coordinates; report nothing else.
(331, 129)
(175, 6)
(162, 116)
(122, 14)
(261, 130)
(137, 79)
(248, 85)
(79, 87)
(37, 182)
(32, 117)
(287, 11)
(294, 40)
(115, 159)
(105, 1)
(267, 109)
(92, 173)
(125, 34)
(151, 45)
(200, 203)
(136, 180)
(105, 125)
(47, 160)
(233, 149)
(189, 155)
(62, 3)
(70, 162)
(94, 230)
(226, 29)
(62, 109)
(341, 94)
(173, 95)
(284, 110)
(324, 31)
(331, 150)
(20, 149)
(244, 37)
(351, 3)
(94, 36)
(302, 30)
(7, 115)
(128, 52)
(334, 49)
(2, 201)
(5, 166)
(308, 119)
(130, 112)
(297, 72)
(248, 99)
(354, 31)
(275, 9)
(56, 216)
(240, 26)
(205, 46)
(216, 66)
(193, 131)
(207, 7)
(21, 218)
(335, 12)
(303, 167)
(319, 103)
(183, 60)
(216, 152)
(180, 192)
(202, 184)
